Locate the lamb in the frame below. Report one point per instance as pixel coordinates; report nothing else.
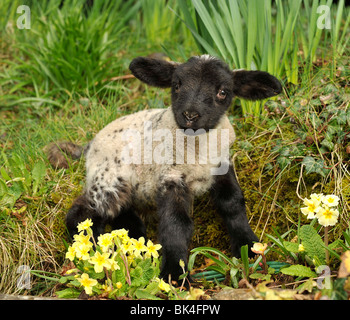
(136, 160)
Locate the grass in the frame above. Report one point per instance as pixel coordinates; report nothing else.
(266, 36)
(51, 89)
(66, 53)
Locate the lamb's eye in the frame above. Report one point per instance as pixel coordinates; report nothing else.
(221, 95)
(177, 87)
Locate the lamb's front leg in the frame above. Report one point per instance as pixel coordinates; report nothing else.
(175, 226)
(230, 204)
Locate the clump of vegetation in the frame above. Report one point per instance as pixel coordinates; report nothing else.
(307, 254)
(115, 266)
(66, 52)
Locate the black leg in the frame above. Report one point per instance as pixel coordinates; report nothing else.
(130, 220)
(229, 201)
(175, 226)
(80, 211)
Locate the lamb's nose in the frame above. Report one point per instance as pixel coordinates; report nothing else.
(190, 116)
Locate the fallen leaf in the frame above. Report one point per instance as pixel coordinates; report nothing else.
(344, 269)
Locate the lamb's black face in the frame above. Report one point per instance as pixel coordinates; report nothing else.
(201, 91)
(203, 87)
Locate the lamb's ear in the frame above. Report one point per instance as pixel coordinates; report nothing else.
(255, 85)
(157, 73)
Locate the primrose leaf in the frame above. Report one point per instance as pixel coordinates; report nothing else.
(3, 188)
(4, 174)
(144, 294)
(118, 276)
(69, 293)
(299, 271)
(313, 244)
(39, 171)
(291, 246)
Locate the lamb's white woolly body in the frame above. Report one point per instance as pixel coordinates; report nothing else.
(108, 174)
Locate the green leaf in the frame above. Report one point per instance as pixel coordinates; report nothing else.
(204, 250)
(233, 276)
(143, 273)
(183, 276)
(291, 246)
(63, 280)
(299, 271)
(245, 259)
(147, 270)
(313, 244)
(69, 293)
(153, 287)
(147, 275)
(38, 173)
(3, 188)
(7, 200)
(95, 275)
(308, 286)
(339, 292)
(144, 294)
(4, 174)
(216, 268)
(136, 275)
(314, 166)
(260, 276)
(283, 161)
(118, 276)
(328, 144)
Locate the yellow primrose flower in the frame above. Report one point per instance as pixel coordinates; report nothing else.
(100, 261)
(139, 246)
(105, 241)
(163, 285)
(130, 259)
(85, 225)
(195, 294)
(70, 271)
(82, 251)
(118, 285)
(327, 216)
(113, 263)
(107, 287)
(259, 248)
(127, 247)
(331, 200)
(82, 239)
(71, 253)
(301, 248)
(122, 234)
(87, 282)
(317, 197)
(311, 207)
(152, 249)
